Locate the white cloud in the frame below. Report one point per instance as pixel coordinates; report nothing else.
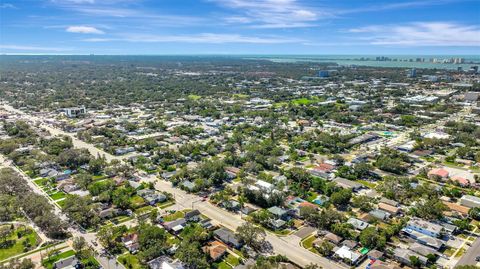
(84, 30)
(33, 48)
(197, 38)
(271, 13)
(7, 5)
(421, 34)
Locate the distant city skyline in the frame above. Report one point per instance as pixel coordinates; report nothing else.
(223, 27)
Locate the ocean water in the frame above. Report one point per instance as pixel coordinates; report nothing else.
(347, 60)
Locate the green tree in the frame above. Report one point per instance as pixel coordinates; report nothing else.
(371, 238)
(341, 197)
(252, 235)
(152, 240)
(325, 248)
(191, 254)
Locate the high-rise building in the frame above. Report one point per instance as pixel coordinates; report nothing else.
(412, 73)
(323, 73)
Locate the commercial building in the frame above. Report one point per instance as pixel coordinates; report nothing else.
(470, 201)
(74, 112)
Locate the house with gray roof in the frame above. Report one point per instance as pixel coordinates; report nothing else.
(403, 256)
(358, 224)
(279, 213)
(227, 237)
(348, 184)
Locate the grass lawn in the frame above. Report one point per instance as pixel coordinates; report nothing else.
(99, 177)
(241, 96)
(172, 240)
(137, 201)
(232, 260)
(57, 195)
(281, 232)
(238, 252)
(143, 210)
(224, 265)
(61, 203)
(454, 165)
(460, 253)
(369, 184)
(449, 251)
(91, 261)
(302, 101)
(48, 263)
(174, 216)
(194, 97)
(130, 261)
(166, 204)
(312, 196)
(120, 219)
(475, 169)
(18, 247)
(41, 181)
(308, 242)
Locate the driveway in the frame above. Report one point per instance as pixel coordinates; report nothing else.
(304, 232)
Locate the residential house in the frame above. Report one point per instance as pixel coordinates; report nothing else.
(175, 226)
(375, 254)
(277, 224)
(389, 202)
(458, 209)
(216, 250)
(333, 238)
(460, 180)
(206, 224)
(231, 205)
(403, 256)
(438, 173)
(350, 244)
(168, 175)
(227, 237)
(422, 249)
(470, 201)
(424, 239)
(67, 263)
(358, 224)
(279, 213)
(165, 262)
(348, 184)
(73, 112)
(347, 255)
(379, 214)
(232, 172)
(155, 198)
(247, 210)
(107, 213)
(130, 241)
(323, 170)
(193, 215)
(424, 227)
(188, 185)
(389, 208)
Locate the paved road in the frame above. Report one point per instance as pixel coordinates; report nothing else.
(282, 245)
(469, 257)
(55, 131)
(288, 246)
(104, 261)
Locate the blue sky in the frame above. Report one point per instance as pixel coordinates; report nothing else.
(240, 26)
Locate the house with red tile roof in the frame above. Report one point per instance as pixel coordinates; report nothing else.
(461, 180)
(438, 172)
(215, 250)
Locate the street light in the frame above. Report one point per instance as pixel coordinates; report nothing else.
(194, 202)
